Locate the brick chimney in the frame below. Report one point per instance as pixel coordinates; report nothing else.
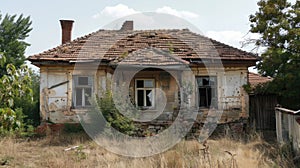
(66, 27)
(127, 25)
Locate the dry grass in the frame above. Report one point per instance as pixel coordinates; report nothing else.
(49, 152)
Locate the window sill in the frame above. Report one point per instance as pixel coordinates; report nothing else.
(146, 108)
(81, 109)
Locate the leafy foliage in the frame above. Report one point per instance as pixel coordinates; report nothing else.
(113, 116)
(12, 86)
(73, 128)
(30, 102)
(9, 120)
(278, 23)
(13, 31)
(19, 87)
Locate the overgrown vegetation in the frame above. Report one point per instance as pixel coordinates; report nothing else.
(30, 103)
(19, 90)
(277, 21)
(83, 152)
(13, 31)
(264, 88)
(114, 118)
(15, 84)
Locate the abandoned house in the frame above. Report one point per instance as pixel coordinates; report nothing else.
(64, 91)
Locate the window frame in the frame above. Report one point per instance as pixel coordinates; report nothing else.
(145, 89)
(206, 87)
(76, 85)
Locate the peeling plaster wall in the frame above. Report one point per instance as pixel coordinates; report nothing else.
(56, 90)
(232, 98)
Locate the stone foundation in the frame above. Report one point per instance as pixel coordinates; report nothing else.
(233, 128)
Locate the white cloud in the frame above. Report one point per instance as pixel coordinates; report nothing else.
(121, 10)
(182, 14)
(117, 11)
(236, 39)
(227, 37)
(231, 37)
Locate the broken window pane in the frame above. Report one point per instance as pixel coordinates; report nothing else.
(79, 96)
(205, 81)
(144, 92)
(83, 88)
(149, 98)
(140, 98)
(139, 83)
(207, 91)
(202, 97)
(88, 93)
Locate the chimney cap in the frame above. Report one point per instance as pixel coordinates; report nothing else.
(64, 22)
(127, 25)
(66, 26)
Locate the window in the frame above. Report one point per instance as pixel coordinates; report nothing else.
(207, 89)
(144, 93)
(82, 90)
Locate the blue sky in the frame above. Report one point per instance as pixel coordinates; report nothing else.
(223, 20)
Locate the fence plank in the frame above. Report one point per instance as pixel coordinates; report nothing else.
(262, 113)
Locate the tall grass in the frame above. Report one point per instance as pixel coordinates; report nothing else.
(50, 152)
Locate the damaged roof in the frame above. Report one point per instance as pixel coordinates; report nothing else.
(150, 56)
(113, 46)
(256, 79)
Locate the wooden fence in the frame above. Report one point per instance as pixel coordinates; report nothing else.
(262, 112)
(288, 127)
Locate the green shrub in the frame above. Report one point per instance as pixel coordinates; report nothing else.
(114, 118)
(30, 104)
(11, 120)
(72, 128)
(12, 123)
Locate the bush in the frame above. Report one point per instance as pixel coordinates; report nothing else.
(113, 116)
(15, 85)
(30, 103)
(11, 120)
(73, 128)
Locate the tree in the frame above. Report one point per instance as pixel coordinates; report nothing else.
(15, 84)
(13, 31)
(30, 103)
(278, 23)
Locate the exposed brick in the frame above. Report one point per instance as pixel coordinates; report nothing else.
(66, 26)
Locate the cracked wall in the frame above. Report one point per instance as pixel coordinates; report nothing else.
(56, 91)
